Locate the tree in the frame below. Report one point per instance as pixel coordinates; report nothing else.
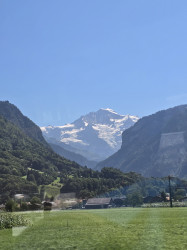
(42, 192)
(118, 202)
(35, 203)
(10, 205)
(134, 199)
(85, 194)
(179, 194)
(31, 177)
(163, 196)
(24, 206)
(35, 200)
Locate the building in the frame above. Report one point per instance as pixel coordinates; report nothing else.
(96, 203)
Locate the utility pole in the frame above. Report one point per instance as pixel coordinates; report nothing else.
(170, 198)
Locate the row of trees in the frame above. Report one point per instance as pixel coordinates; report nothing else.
(93, 183)
(11, 205)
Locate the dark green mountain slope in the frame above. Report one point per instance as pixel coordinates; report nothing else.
(155, 146)
(18, 152)
(13, 114)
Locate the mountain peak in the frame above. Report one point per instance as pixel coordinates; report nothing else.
(95, 135)
(109, 110)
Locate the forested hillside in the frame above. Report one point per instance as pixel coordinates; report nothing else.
(26, 163)
(20, 153)
(13, 114)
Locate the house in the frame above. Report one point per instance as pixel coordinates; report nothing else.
(95, 203)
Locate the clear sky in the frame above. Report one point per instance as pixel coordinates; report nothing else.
(64, 58)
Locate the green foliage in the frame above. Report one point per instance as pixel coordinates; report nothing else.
(18, 154)
(163, 196)
(134, 199)
(11, 185)
(179, 194)
(40, 178)
(118, 202)
(35, 203)
(93, 183)
(11, 206)
(24, 206)
(8, 220)
(11, 113)
(35, 200)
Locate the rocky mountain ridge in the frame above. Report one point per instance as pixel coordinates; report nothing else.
(94, 136)
(155, 146)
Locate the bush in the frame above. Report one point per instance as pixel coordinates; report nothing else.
(35, 200)
(24, 206)
(11, 206)
(8, 220)
(35, 203)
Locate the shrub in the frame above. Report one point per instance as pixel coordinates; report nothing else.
(10, 205)
(8, 220)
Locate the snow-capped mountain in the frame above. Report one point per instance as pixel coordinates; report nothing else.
(96, 135)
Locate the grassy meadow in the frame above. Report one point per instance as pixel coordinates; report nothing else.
(123, 228)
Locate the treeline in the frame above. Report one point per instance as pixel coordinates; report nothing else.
(11, 185)
(112, 182)
(88, 183)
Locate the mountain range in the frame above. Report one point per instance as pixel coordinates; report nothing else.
(155, 146)
(28, 164)
(94, 136)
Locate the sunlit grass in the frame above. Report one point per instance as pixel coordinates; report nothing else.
(126, 228)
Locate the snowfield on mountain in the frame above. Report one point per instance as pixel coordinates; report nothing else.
(96, 135)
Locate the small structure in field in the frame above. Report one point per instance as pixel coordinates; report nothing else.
(96, 203)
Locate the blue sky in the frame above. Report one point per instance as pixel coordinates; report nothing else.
(64, 58)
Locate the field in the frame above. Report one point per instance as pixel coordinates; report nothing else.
(125, 228)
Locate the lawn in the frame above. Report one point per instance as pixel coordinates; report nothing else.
(125, 228)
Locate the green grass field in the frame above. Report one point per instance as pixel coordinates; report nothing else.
(125, 228)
